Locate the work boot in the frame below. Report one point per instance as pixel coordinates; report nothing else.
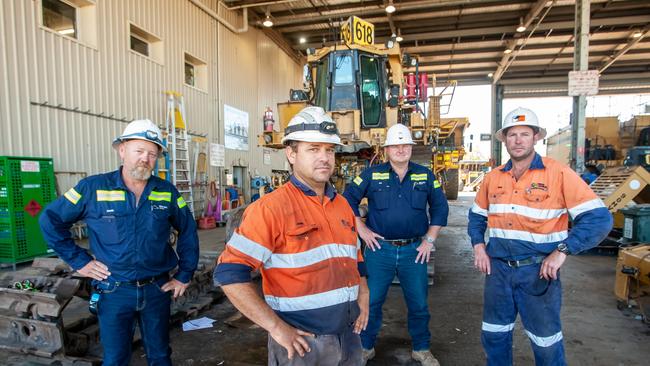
(367, 354)
(425, 358)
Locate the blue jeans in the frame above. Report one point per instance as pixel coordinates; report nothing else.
(509, 291)
(383, 264)
(118, 310)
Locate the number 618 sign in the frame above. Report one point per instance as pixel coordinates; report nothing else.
(357, 31)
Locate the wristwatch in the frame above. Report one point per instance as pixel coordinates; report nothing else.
(563, 248)
(429, 239)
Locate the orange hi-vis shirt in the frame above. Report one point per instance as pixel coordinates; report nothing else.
(530, 216)
(308, 253)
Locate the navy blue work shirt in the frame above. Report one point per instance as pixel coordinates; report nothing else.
(131, 241)
(398, 210)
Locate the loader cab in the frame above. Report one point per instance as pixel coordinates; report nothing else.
(351, 79)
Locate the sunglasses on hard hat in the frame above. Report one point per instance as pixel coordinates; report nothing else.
(149, 135)
(328, 128)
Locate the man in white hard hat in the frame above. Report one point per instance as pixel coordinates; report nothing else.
(525, 205)
(130, 214)
(399, 233)
(303, 239)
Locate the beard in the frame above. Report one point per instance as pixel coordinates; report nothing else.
(140, 172)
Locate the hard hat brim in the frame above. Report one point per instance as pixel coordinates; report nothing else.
(499, 134)
(118, 141)
(312, 136)
(386, 144)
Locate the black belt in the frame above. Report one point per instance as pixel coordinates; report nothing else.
(142, 282)
(402, 242)
(523, 262)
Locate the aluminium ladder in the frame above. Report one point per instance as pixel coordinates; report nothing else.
(177, 141)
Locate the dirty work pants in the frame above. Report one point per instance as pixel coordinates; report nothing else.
(118, 310)
(382, 265)
(326, 350)
(510, 290)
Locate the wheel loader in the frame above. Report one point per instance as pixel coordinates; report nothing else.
(363, 87)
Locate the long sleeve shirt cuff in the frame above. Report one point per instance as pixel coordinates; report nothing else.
(79, 261)
(438, 221)
(184, 276)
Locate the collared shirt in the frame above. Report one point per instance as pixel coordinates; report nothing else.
(398, 210)
(308, 253)
(131, 241)
(530, 216)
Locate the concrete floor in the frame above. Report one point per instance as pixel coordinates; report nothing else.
(595, 331)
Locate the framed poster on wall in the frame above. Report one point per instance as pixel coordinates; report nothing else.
(235, 123)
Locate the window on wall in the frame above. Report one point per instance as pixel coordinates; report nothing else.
(60, 17)
(189, 74)
(71, 18)
(145, 43)
(139, 45)
(196, 72)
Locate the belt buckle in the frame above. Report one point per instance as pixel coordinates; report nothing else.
(513, 264)
(143, 283)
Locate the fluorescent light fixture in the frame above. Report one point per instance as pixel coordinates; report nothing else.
(637, 34)
(507, 51)
(399, 39)
(390, 8)
(71, 31)
(521, 28)
(302, 40)
(490, 75)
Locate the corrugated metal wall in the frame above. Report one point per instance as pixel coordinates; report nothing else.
(246, 71)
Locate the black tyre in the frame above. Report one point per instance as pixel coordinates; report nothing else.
(451, 184)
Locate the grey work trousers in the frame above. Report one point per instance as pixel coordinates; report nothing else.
(326, 350)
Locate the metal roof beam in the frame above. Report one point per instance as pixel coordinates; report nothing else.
(534, 12)
(509, 57)
(633, 42)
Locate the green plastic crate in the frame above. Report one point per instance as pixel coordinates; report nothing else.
(27, 185)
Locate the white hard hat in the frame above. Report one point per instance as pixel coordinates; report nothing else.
(520, 117)
(312, 124)
(398, 134)
(141, 129)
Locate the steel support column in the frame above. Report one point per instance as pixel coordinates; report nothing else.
(497, 121)
(580, 63)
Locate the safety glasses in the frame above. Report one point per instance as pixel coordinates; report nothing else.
(328, 128)
(149, 135)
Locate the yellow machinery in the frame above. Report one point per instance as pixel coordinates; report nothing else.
(448, 151)
(633, 275)
(472, 173)
(619, 186)
(363, 87)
